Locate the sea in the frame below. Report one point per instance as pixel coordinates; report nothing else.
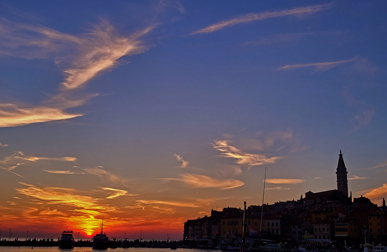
(79, 249)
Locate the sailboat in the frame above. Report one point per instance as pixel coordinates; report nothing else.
(100, 241)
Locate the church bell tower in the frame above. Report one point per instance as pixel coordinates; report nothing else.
(342, 181)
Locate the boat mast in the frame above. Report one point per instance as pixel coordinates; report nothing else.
(102, 227)
(263, 200)
(244, 229)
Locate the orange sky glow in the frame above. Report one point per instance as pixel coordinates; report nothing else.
(146, 114)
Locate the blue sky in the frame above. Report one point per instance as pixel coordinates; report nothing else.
(155, 112)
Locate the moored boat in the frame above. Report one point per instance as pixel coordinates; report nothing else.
(67, 240)
(272, 247)
(379, 248)
(100, 241)
(125, 243)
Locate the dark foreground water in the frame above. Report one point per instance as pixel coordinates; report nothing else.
(55, 249)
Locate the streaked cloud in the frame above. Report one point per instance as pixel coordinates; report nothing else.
(169, 203)
(266, 140)
(14, 173)
(99, 51)
(274, 39)
(228, 171)
(59, 172)
(32, 41)
(180, 159)
(82, 57)
(381, 165)
(15, 160)
(29, 210)
(363, 118)
(364, 112)
(164, 5)
(357, 177)
(203, 181)
(54, 212)
(12, 116)
(63, 196)
(3, 145)
(243, 158)
(163, 209)
(377, 193)
(34, 159)
(278, 188)
(284, 181)
(319, 66)
(100, 172)
(260, 16)
(117, 192)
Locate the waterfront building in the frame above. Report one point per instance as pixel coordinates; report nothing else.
(300, 229)
(374, 223)
(323, 230)
(272, 224)
(320, 217)
(346, 228)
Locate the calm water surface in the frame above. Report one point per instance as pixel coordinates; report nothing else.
(55, 249)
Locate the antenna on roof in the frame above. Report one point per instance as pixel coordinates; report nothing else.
(263, 200)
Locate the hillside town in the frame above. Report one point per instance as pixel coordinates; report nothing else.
(325, 219)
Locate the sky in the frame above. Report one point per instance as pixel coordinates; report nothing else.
(145, 114)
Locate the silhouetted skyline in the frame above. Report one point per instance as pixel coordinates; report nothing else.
(148, 113)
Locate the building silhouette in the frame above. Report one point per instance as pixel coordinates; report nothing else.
(319, 218)
(342, 181)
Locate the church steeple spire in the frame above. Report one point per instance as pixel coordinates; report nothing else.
(342, 181)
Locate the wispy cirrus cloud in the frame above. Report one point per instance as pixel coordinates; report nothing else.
(180, 159)
(117, 192)
(278, 188)
(100, 172)
(288, 37)
(318, 66)
(99, 51)
(12, 115)
(203, 181)
(364, 112)
(243, 158)
(260, 16)
(3, 145)
(63, 196)
(32, 41)
(169, 203)
(95, 171)
(15, 160)
(60, 172)
(381, 165)
(284, 181)
(54, 212)
(357, 177)
(83, 56)
(34, 159)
